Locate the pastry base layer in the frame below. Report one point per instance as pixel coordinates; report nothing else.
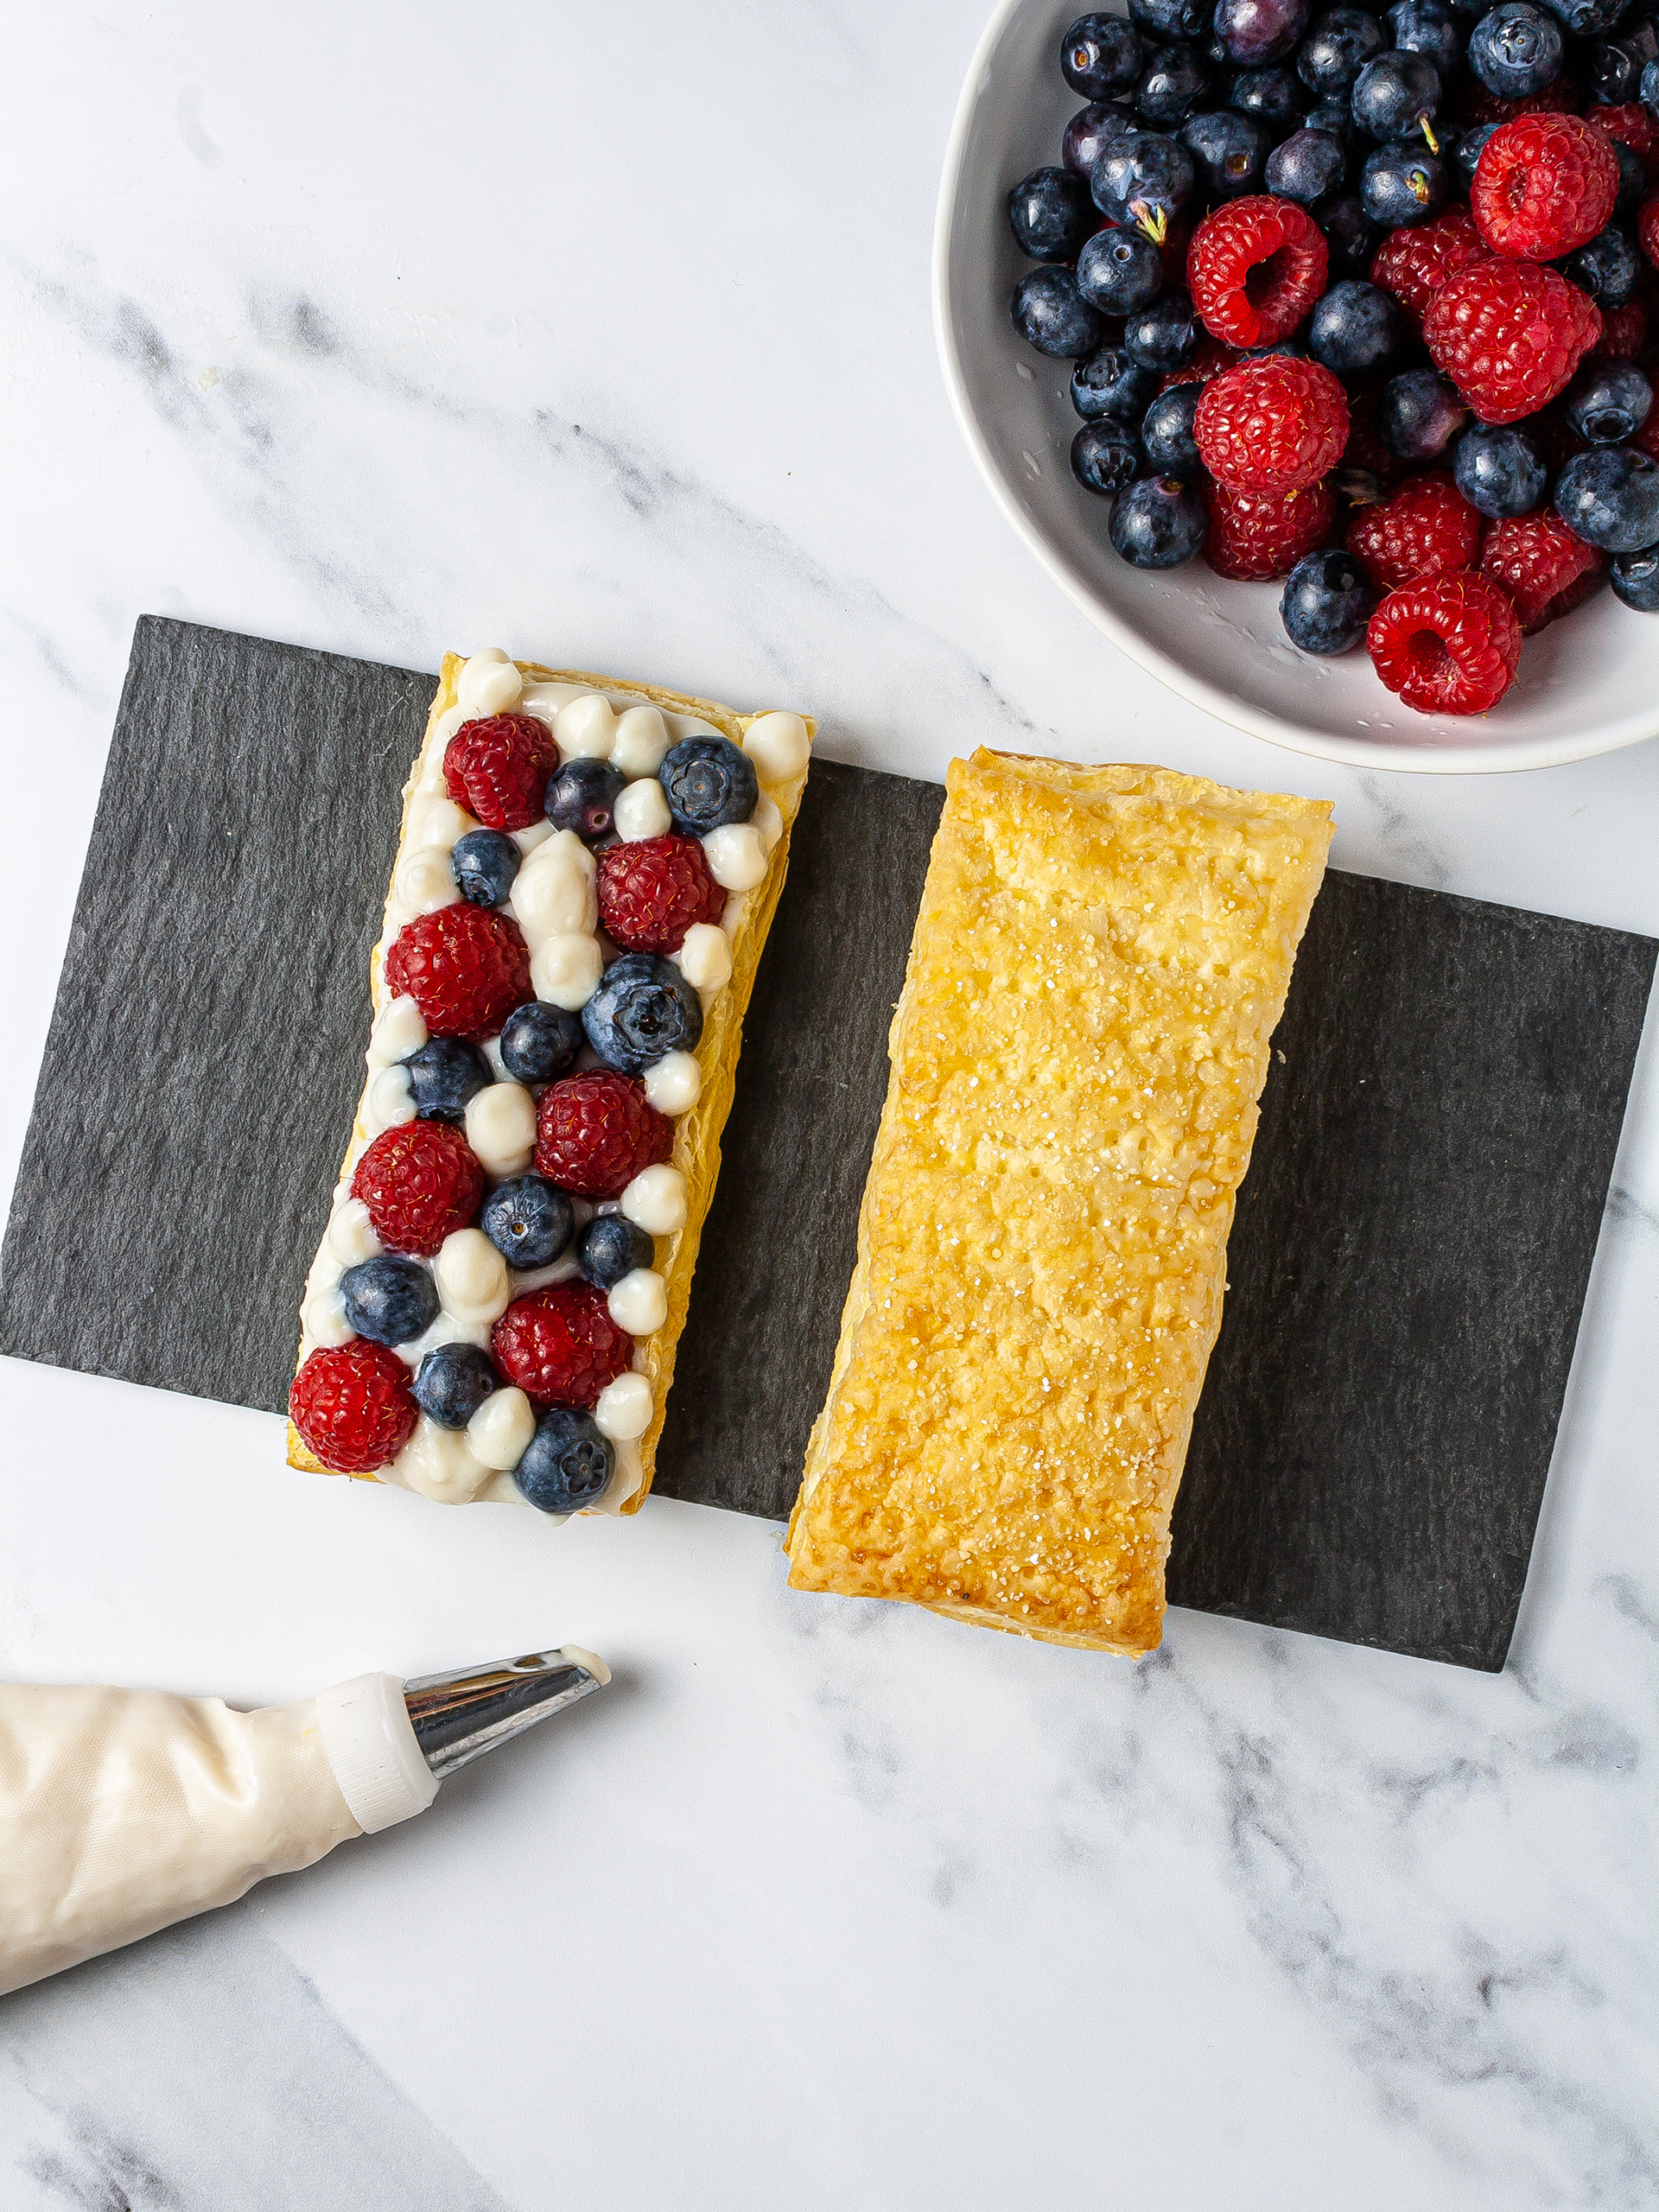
(1099, 962)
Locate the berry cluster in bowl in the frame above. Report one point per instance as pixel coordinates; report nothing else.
(574, 867)
(1366, 302)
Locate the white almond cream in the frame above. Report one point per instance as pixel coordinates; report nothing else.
(623, 1409)
(501, 1128)
(586, 730)
(391, 1100)
(488, 684)
(323, 1317)
(351, 1233)
(736, 854)
(779, 746)
(565, 971)
(435, 821)
(655, 1201)
(399, 1029)
(642, 738)
(641, 811)
(640, 1302)
(425, 883)
(439, 1464)
(674, 1084)
(471, 1277)
(532, 834)
(767, 822)
(554, 893)
(501, 1429)
(705, 957)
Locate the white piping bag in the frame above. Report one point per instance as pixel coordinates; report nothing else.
(122, 1811)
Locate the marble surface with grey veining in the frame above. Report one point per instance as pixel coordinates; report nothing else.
(604, 335)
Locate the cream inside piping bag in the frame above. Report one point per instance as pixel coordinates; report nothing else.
(122, 1811)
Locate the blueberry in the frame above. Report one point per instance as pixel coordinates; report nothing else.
(1354, 326)
(1158, 523)
(1050, 214)
(1429, 26)
(1607, 268)
(1350, 233)
(1307, 166)
(484, 864)
(1516, 50)
(582, 795)
(1175, 79)
(1469, 152)
(1615, 66)
(1632, 177)
(709, 782)
(643, 1008)
(1273, 97)
(452, 1384)
(1587, 18)
(539, 1042)
(1087, 135)
(1499, 470)
(1228, 151)
(1336, 48)
(1610, 498)
(1139, 178)
(389, 1300)
(1120, 271)
(1166, 432)
(1337, 117)
(1099, 55)
(1165, 19)
(1051, 314)
(1163, 335)
(1420, 414)
(567, 1462)
(1647, 87)
(443, 1075)
(1327, 600)
(1394, 95)
(1109, 383)
(529, 1221)
(1400, 186)
(1105, 456)
(1255, 31)
(1636, 579)
(611, 1247)
(1607, 402)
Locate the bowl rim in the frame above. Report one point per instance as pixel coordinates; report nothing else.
(1488, 759)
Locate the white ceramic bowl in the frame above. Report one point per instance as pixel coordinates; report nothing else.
(1586, 685)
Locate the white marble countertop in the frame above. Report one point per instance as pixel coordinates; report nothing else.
(604, 334)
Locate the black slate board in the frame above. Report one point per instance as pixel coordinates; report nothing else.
(1407, 1267)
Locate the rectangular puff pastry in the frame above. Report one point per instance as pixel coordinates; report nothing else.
(1100, 959)
(439, 1463)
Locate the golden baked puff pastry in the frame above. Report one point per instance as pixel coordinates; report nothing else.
(621, 1115)
(1100, 959)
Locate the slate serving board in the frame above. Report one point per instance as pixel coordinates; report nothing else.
(1407, 1270)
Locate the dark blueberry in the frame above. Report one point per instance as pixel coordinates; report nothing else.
(1337, 117)
(529, 1221)
(1607, 268)
(1166, 432)
(1109, 383)
(1050, 214)
(611, 1247)
(1273, 97)
(1228, 151)
(484, 864)
(1337, 49)
(1139, 178)
(1120, 271)
(443, 1075)
(581, 795)
(1469, 150)
(539, 1042)
(1610, 498)
(1255, 31)
(1099, 55)
(709, 782)
(1162, 19)
(644, 1008)
(567, 1462)
(1176, 79)
(1327, 600)
(1308, 166)
(1105, 456)
(1420, 414)
(1051, 314)
(1396, 95)
(1349, 232)
(1516, 50)
(1636, 580)
(389, 1300)
(1163, 335)
(1400, 186)
(1499, 470)
(1087, 135)
(1649, 88)
(1588, 18)
(1284, 349)
(1354, 326)
(1429, 26)
(1615, 66)
(1158, 523)
(1632, 177)
(1607, 402)
(452, 1384)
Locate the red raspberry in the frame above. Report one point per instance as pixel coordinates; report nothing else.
(1544, 186)
(560, 1345)
(1624, 333)
(1563, 97)
(1272, 425)
(1256, 535)
(497, 769)
(1413, 264)
(421, 1182)
(1634, 126)
(465, 967)
(594, 1133)
(352, 1406)
(1544, 569)
(1509, 334)
(1647, 227)
(1254, 268)
(1427, 529)
(652, 890)
(1209, 358)
(1446, 645)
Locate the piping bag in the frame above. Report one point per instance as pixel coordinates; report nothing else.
(122, 1811)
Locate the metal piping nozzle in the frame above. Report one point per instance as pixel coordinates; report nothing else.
(458, 1716)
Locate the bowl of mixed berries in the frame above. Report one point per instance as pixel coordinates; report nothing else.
(1315, 352)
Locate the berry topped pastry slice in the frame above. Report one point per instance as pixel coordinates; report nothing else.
(587, 874)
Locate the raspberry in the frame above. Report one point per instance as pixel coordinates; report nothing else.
(1427, 529)
(421, 1182)
(1647, 227)
(352, 1406)
(1544, 186)
(497, 769)
(1446, 645)
(1209, 358)
(1624, 333)
(1509, 334)
(594, 1133)
(1254, 268)
(1256, 535)
(1413, 264)
(1480, 106)
(560, 1345)
(1634, 126)
(653, 889)
(1546, 570)
(465, 967)
(1271, 425)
